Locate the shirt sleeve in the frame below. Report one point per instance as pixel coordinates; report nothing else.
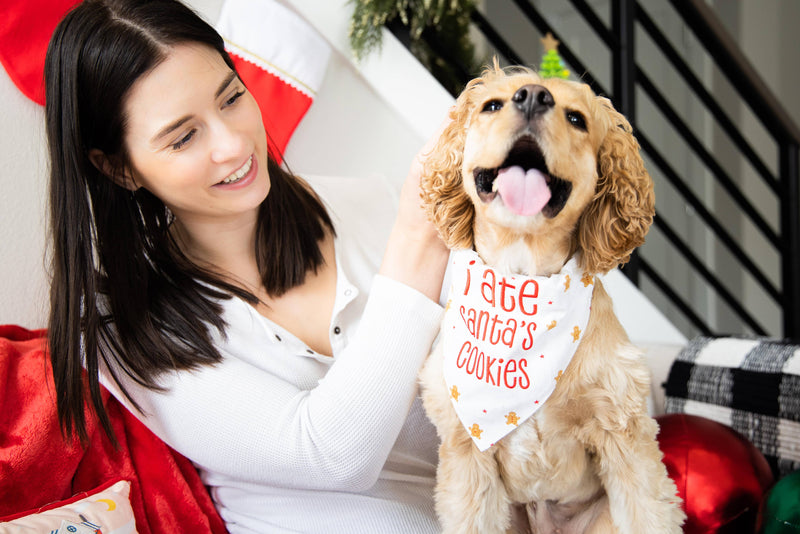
(237, 420)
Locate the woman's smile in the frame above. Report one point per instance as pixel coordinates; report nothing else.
(241, 177)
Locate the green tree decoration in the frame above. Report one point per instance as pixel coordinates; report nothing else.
(552, 66)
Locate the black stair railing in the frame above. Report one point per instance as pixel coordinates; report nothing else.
(752, 90)
(626, 78)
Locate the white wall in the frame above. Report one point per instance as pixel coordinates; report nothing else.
(367, 119)
(23, 293)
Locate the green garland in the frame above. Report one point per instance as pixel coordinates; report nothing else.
(370, 15)
(444, 21)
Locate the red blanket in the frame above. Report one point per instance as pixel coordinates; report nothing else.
(38, 467)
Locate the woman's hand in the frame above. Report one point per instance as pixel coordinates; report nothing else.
(415, 254)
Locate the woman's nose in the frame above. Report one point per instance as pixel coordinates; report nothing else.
(227, 142)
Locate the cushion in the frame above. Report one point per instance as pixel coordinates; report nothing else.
(749, 384)
(105, 509)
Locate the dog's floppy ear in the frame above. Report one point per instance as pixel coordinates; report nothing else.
(621, 213)
(443, 195)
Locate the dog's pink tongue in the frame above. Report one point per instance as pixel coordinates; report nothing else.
(524, 193)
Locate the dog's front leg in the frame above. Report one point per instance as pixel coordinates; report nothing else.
(641, 496)
(470, 495)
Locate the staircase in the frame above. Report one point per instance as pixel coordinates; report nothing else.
(723, 256)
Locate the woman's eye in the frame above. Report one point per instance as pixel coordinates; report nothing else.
(183, 140)
(576, 120)
(232, 100)
(492, 106)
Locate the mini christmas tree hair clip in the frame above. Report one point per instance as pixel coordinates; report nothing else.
(552, 66)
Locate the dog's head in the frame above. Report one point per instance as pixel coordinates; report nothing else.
(539, 159)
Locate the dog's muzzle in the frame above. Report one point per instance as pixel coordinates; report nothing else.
(527, 155)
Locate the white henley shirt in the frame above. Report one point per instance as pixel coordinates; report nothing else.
(292, 441)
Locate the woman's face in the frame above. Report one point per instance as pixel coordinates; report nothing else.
(195, 138)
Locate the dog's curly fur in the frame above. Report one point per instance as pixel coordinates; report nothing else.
(588, 460)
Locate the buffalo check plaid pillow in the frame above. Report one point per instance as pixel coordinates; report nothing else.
(751, 385)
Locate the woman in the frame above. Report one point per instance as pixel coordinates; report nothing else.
(229, 304)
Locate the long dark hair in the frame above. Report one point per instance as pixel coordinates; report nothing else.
(157, 306)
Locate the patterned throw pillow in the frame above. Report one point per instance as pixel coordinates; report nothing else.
(105, 509)
(749, 384)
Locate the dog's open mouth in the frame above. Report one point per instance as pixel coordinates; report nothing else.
(524, 182)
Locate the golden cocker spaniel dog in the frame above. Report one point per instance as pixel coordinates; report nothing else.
(532, 174)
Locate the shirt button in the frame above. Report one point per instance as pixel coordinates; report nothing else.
(309, 351)
(337, 330)
(277, 337)
(348, 292)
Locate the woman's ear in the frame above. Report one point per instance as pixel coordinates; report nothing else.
(113, 169)
(617, 220)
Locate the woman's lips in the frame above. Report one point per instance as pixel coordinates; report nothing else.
(242, 177)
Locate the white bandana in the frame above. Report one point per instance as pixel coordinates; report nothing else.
(507, 339)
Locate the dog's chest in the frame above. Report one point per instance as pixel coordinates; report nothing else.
(544, 453)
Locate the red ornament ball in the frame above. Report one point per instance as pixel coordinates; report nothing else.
(721, 476)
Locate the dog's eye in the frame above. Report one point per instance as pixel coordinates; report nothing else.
(492, 105)
(576, 119)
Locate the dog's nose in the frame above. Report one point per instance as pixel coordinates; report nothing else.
(533, 99)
